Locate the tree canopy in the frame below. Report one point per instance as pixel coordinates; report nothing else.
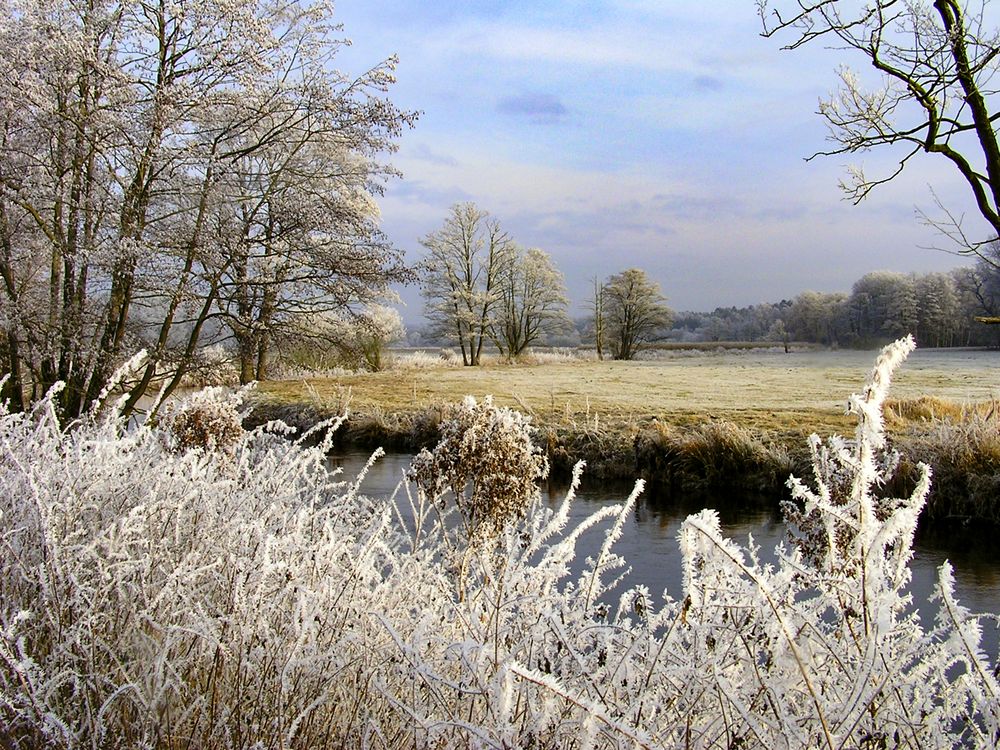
(176, 173)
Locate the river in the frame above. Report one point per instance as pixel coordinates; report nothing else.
(649, 540)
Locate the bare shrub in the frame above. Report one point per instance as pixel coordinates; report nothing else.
(487, 459)
(450, 357)
(209, 420)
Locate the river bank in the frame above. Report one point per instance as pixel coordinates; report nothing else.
(733, 425)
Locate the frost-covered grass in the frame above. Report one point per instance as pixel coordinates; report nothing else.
(557, 356)
(797, 392)
(422, 359)
(963, 445)
(157, 596)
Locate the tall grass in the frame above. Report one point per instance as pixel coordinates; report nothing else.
(963, 446)
(153, 595)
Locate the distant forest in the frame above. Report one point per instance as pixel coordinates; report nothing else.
(942, 309)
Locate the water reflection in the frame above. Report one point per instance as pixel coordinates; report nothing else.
(649, 541)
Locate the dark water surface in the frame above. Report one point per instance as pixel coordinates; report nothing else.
(649, 540)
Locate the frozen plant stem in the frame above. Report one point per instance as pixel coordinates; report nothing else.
(239, 594)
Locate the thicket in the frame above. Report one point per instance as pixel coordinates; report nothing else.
(155, 594)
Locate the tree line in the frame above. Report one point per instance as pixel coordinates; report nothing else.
(939, 309)
(481, 288)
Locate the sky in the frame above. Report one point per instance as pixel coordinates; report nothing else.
(660, 134)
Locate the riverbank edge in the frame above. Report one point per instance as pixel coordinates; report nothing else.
(713, 459)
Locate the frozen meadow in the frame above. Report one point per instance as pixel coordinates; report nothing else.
(185, 584)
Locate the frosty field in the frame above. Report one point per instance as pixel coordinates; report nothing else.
(766, 390)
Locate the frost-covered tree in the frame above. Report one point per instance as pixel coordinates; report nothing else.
(359, 338)
(165, 166)
(883, 306)
(634, 312)
(939, 310)
(819, 317)
(597, 321)
(983, 281)
(301, 222)
(935, 63)
(532, 305)
(462, 277)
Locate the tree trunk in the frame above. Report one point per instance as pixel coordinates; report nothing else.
(12, 386)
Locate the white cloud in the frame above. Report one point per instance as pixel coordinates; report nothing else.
(675, 143)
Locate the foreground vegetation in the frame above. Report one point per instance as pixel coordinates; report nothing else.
(237, 594)
(693, 422)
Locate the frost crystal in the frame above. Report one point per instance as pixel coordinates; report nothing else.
(155, 598)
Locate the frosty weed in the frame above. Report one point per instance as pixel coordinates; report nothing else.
(154, 599)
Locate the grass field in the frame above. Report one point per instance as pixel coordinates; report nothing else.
(769, 390)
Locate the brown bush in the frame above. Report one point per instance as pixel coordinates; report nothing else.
(204, 423)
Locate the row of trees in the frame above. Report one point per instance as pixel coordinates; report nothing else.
(940, 309)
(480, 285)
(177, 174)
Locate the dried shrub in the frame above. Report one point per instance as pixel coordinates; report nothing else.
(556, 356)
(965, 455)
(211, 366)
(486, 458)
(210, 420)
(610, 451)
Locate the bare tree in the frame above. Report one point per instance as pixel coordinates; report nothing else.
(532, 302)
(634, 312)
(936, 95)
(462, 277)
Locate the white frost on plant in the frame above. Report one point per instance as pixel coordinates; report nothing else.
(151, 597)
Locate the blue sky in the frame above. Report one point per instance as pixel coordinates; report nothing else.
(666, 135)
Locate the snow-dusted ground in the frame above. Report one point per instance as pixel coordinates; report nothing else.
(237, 595)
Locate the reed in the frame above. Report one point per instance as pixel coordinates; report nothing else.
(963, 448)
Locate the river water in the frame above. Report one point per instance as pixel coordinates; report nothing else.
(649, 541)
